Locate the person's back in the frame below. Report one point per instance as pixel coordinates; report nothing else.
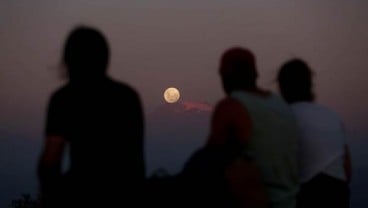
(321, 143)
(101, 121)
(256, 130)
(324, 159)
(273, 145)
(103, 124)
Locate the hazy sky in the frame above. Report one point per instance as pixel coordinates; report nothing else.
(160, 43)
(163, 43)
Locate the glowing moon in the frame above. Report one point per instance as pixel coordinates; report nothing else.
(171, 95)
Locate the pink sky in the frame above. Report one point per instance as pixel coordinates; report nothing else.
(156, 44)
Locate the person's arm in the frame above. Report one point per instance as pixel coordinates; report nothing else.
(138, 132)
(50, 162)
(347, 158)
(244, 179)
(49, 170)
(229, 119)
(347, 164)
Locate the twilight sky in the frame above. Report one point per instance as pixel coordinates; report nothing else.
(160, 43)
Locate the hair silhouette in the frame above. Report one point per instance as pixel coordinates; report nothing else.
(295, 81)
(86, 54)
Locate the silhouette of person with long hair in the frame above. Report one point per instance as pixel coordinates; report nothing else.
(325, 166)
(102, 122)
(252, 141)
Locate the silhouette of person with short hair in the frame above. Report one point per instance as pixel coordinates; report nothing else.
(102, 122)
(324, 159)
(252, 142)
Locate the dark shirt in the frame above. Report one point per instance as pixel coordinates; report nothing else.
(103, 125)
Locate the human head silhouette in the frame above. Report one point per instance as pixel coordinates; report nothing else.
(238, 69)
(295, 81)
(86, 54)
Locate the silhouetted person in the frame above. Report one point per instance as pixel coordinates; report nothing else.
(253, 139)
(102, 122)
(324, 159)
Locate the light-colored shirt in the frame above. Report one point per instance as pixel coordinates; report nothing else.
(273, 145)
(322, 141)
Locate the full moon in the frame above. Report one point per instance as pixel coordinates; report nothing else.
(171, 95)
